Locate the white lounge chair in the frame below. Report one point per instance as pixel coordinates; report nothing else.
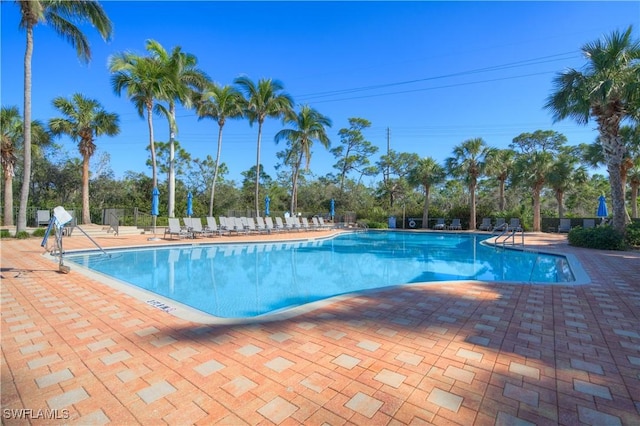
(197, 229)
(514, 223)
(322, 224)
(279, 225)
(305, 225)
(212, 226)
(501, 225)
(261, 226)
(43, 217)
(174, 228)
(268, 221)
(565, 225)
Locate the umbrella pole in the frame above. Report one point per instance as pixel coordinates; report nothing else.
(154, 238)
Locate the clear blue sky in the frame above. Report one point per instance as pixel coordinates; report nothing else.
(434, 73)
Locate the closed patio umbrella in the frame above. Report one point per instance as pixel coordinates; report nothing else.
(267, 204)
(155, 211)
(602, 208)
(189, 204)
(333, 208)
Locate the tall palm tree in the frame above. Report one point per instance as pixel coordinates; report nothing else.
(262, 100)
(141, 77)
(84, 120)
(12, 141)
(218, 103)
(532, 170)
(634, 181)
(63, 17)
(180, 78)
(426, 174)
(468, 163)
(608, 90)
(500, 165)
(308, 126)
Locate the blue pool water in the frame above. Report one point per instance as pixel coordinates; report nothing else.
(246, 280)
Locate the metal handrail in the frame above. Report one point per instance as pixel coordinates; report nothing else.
(510, 235)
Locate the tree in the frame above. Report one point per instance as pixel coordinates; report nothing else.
(64, 17)
(308, 126)
(354, 150)
(565, 173)
(534, 163)
(12, 140)
(262, 100)
(141, 77)
(399, 164)
(426, 174)
(180, 78)
(500, 165)
(607, 90)
(218, 103)
(84, 120)
(468, 163)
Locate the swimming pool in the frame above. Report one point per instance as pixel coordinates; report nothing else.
(248, 280)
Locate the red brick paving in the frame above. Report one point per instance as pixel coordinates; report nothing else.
(464, 353)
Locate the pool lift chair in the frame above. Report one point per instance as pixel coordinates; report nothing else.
(57, 223)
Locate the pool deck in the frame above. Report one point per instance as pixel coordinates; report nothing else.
(75, 351)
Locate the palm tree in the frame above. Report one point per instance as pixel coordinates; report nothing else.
(468, 162)
(500, 165)
(262, 100)
(426, 174)
(634, 181)
(141, 77)
(607, 91)
(218, 103)
(308, 126)
(12, 133)
(62, 16)
(180, 77)
(84, 120)
(531, 170)
(564, 174)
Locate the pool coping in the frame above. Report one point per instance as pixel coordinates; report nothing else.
(189, 313)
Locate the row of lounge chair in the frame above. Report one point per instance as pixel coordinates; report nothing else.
(193, 227)
(486, 225)
(565, 224)
(454, 225)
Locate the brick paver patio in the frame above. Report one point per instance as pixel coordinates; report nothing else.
(77, 351)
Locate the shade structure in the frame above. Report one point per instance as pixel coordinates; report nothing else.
(189, 204)
(602, 207)
(332, 212)
(155, 201)
(267, 205)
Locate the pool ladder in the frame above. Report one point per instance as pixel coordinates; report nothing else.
(510, 234)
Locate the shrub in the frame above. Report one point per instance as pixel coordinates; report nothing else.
(372, 224)
(22, 235)
(600, 237)
(633, 233)
(39, 232)
(4, 233)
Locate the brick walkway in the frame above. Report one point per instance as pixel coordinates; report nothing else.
(467, 353)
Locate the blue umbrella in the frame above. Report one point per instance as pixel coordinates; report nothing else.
(602, 207)
(333, 208)
(189, 204)
(267, 204)
(155, 201)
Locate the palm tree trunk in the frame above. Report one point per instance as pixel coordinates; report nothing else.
(294, 185)
(502, 201)
(215, 172)
(86, 214)
(172, 161)
(152, 146)
(425, 210)
(8, 196)
(257, 193)
(472, 215)
(26, 177)
(617, 197)
(634, 199)
(536, 208)
(560, 200)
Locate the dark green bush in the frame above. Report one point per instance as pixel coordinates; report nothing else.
(4, 233)
(633, 233)
(22, 235)
(600, 237)
(371, 224)
(39, 232)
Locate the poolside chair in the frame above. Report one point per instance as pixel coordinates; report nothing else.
(239, 225)
(212, 226)
(440, 224)
(485, 225)
(322, 224)
(588, 223)
(261, 226)
(279, 225)
(514, 224)
(250, 225)
(565, 225)
(501, 225)
(43, 217)
(316, 223)
(455, 224)
(174, 228)
(268, 221)
(305, 226)
(197, 229)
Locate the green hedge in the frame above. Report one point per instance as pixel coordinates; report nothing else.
(600, 237)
